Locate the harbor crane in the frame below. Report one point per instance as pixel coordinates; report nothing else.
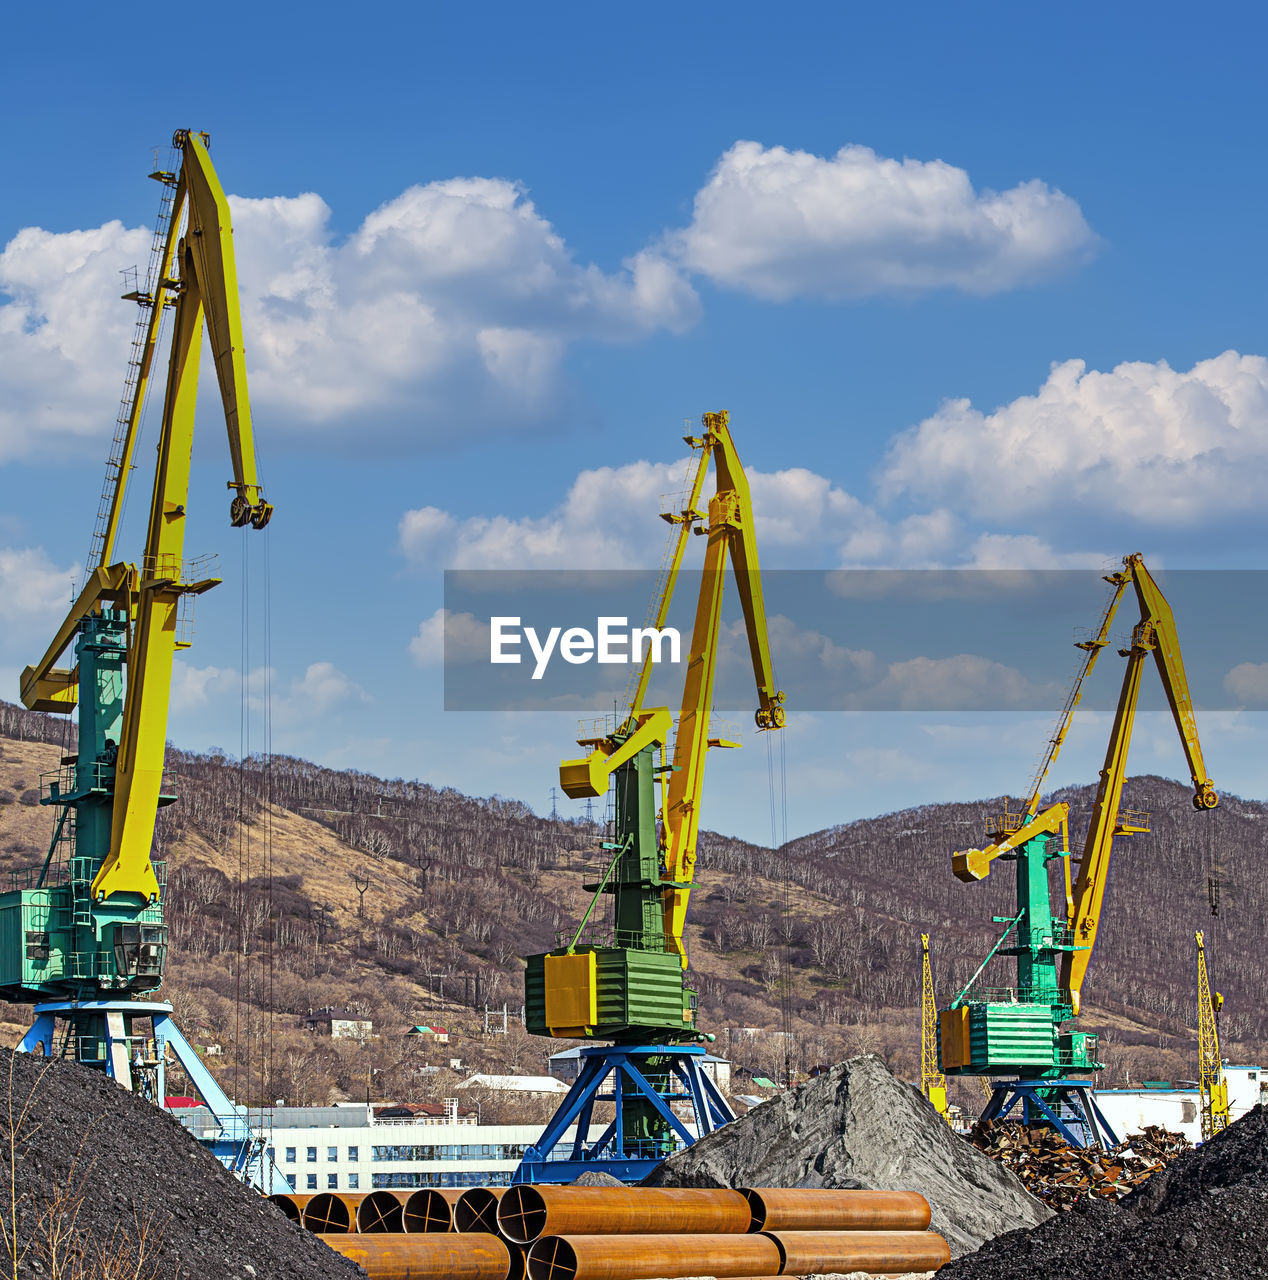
(1023, 1031)
(623, 980)
(83, 936)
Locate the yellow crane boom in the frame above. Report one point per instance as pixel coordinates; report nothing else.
(1155, 633)
(198, 280)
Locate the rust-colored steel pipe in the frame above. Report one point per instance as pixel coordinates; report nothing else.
(424, 1257)
(477, 1210)
(880, 1252)
(291, 1205)
(646, 1257)
(329, 1213)
(430, 1212)
(805, 1209)
(382, 1212)
(527, 1213)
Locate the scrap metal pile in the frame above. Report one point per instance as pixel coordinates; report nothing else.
(623, 1233)
(1061, 1175)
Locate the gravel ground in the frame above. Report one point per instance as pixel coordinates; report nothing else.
(1205, 1217)
(108, 1187)
(858, 1126)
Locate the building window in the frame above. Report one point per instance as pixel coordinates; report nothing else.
(312, 1155)
(332, 1182)
(354, 1153)
(354, 1180)
(290, 1181)
(312, 1182)
(332, 1154)
(290, 1155)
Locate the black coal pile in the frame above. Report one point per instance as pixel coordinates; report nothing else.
(856, 1126)
(108, 1187)
(1204, 1217)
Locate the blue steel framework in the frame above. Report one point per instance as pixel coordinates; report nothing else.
(1069, 1106)
(656, 1075)
(239, 1146)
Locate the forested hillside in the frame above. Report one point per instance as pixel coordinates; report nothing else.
(294, 887)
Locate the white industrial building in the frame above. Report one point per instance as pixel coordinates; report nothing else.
(1130, 1110)
(566, 1064)
(349, 1148)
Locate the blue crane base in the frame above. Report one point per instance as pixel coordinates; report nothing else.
(1068, 1106)
(653, 1077)
(100, 1034)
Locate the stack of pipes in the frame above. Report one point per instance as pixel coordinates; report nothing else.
(623, 1233)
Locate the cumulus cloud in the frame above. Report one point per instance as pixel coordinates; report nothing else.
(453, 302)
(449, 636)
(63, 332)
(963, 682)
(1160, 445)
(1248, 683)
(32, 586)
(321, 689)
(782, 224)
(608, 520)
(35, 594)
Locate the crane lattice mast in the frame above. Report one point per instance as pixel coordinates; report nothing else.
(933, 1084)
(1212, 1086)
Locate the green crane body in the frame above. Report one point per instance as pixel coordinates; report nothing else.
(642, 994)
(1017, 1030)
(56, 943)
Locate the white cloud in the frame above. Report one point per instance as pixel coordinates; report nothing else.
(32, 586)
(1145, 441)
(1025, 551)
(63, 332)
(450, 637)
(194, 687)
(781, 224)
(1248, 683)
(456, 301)
(321, 689)
(609, 520)
(962, 682)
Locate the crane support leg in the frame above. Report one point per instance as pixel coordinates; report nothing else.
(1068, 1106)
(102, 1034)
(643, 1082)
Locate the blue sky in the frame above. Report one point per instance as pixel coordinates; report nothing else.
(493, 257)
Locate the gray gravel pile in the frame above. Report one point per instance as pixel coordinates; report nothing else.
(107, 1186)
(1205, 1217)
(856, 1126)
